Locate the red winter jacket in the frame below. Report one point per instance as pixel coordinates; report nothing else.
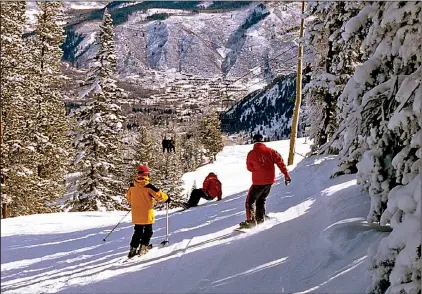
(212, 186)
(261, 162)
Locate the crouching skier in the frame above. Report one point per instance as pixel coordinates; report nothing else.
(141, 197)
(211, 189)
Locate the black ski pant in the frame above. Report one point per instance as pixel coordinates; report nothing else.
(142, 235)
(255, 202)
(196, 195)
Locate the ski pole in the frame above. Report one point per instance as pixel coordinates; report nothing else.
(166, 241)
(116, 226)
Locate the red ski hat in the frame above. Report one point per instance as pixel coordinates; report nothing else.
(143, 169)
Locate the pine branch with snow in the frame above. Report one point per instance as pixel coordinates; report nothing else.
(379, 117)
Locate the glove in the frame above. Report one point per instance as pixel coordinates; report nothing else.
(168, 200)
(287, 181)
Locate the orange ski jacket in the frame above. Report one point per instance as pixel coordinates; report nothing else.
(141, 197)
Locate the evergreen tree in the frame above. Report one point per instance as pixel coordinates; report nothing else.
(351, 55)
(145, 148)
(210, 134)
(391, 106)
(188, 155)
(98, 141)
(166, 171)
(142, 151)
(50, 129)
(380, 133)
(334, 63)
(129, 155)
(17, 164)
(172, 178)
(191, 152)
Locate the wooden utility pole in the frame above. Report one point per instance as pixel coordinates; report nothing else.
(2, 179)
(295, 119)
(4, 211)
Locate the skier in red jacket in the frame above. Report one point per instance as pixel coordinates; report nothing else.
(260, 162)
(211, 189)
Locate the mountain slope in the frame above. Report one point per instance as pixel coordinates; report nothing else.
(267, 111)
(222, 38)
(317, 244)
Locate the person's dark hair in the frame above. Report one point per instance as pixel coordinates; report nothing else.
(258, 138)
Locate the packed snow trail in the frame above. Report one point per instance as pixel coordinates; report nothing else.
(317, 241)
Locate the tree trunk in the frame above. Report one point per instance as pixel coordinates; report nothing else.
(4, 210)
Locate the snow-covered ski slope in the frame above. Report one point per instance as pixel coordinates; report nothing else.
(317, 242)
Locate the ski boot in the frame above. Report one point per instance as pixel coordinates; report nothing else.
(144, 249)
(247, 224)
(261, 221)
(132, 252)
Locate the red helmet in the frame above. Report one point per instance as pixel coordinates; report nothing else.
(143, 169)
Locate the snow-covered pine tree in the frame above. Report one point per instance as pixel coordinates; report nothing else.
(334, 64)
(210, 135)
(129, 154)
(384, 133)
(198, 148)
(145, 147)
(50, 129)
(167, 172)
(17, 164)
(320, 101)
(188, 155)
(351, 55)
(172, 182)
(98, 141)
(141, 151)
(396, 263)
(395, 70)
(191, 152)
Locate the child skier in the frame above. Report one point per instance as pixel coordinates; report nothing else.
(141, 196)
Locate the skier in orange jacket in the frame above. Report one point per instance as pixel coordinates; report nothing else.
(141, 197)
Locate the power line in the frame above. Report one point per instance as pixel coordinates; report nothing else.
(265, 78)
(268, 61)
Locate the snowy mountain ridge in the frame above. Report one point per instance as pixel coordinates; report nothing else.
(209, 40)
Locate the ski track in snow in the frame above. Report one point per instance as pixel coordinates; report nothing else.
(315, 242)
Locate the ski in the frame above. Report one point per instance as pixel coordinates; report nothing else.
(167, 251)
(258, 226)
(137, 256)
